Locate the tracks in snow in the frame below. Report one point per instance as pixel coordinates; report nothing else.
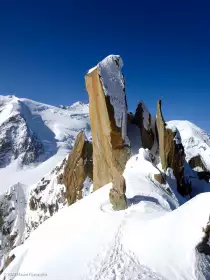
(115, 263)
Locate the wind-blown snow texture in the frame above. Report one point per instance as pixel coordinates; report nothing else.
(153, 239)
(35, 137)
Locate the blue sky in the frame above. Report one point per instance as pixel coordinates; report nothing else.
(46, 47)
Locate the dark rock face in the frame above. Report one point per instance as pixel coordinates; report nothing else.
(11, 213)
(143, 120)
(197, 162)
(117, 193)
(204, 175)
(79, 167)
(171, 152)
(203, 246)
(16, 139)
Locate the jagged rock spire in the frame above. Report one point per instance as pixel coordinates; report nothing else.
(171, 151)
(143, 120)
(78, 168)
(108, 117)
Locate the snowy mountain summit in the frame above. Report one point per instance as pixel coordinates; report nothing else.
(124, 196)
(34, 137)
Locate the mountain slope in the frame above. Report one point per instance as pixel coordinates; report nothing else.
(195, 141)
(34, 137)
(89, 240)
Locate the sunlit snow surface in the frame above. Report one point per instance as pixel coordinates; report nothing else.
(55, 127)
(153, 239)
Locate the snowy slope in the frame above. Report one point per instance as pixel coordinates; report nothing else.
(40, 133)
(195, 140)
(23, 208)
(153, 239)
(12, 207)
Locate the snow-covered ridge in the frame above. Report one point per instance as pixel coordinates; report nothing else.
(78, 106)
(137, 240)
(35, 140)
(89, 237)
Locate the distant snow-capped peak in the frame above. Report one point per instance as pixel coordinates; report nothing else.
(36, 135)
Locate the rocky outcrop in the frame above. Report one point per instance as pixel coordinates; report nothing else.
(12, 217)
(108, 116)
(171, 151)
(143, 120)
(7, 262)
(203, 246)
(197, 161)
(117, 193)
(161, 131)
(78, 169)
(46, 198)
(159, 178)
(204, 175)
(18, 140)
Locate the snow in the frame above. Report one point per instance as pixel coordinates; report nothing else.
(55, 127)
(195, 140)
(92, 69)
(87, 189)
(13, 209)
(48, 197)
(8, 106)
(173, 238)
(154, 238)
(113, 85)
(177, 137)
(29, 175)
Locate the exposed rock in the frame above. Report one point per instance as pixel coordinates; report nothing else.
(32, 203)
(117, 193)
(134, 137)
(197, 162)
(17, 139)
(204, 175)
(79, 167)
(60, 179)
(161, 131)
(130, 117)
(171, 152)
(159, 178)
(108, 117)
(7, 262)
(46, 198)
(203, 246)
(143, 120)
(12, 214)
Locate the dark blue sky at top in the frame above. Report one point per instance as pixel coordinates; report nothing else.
(46, 47)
